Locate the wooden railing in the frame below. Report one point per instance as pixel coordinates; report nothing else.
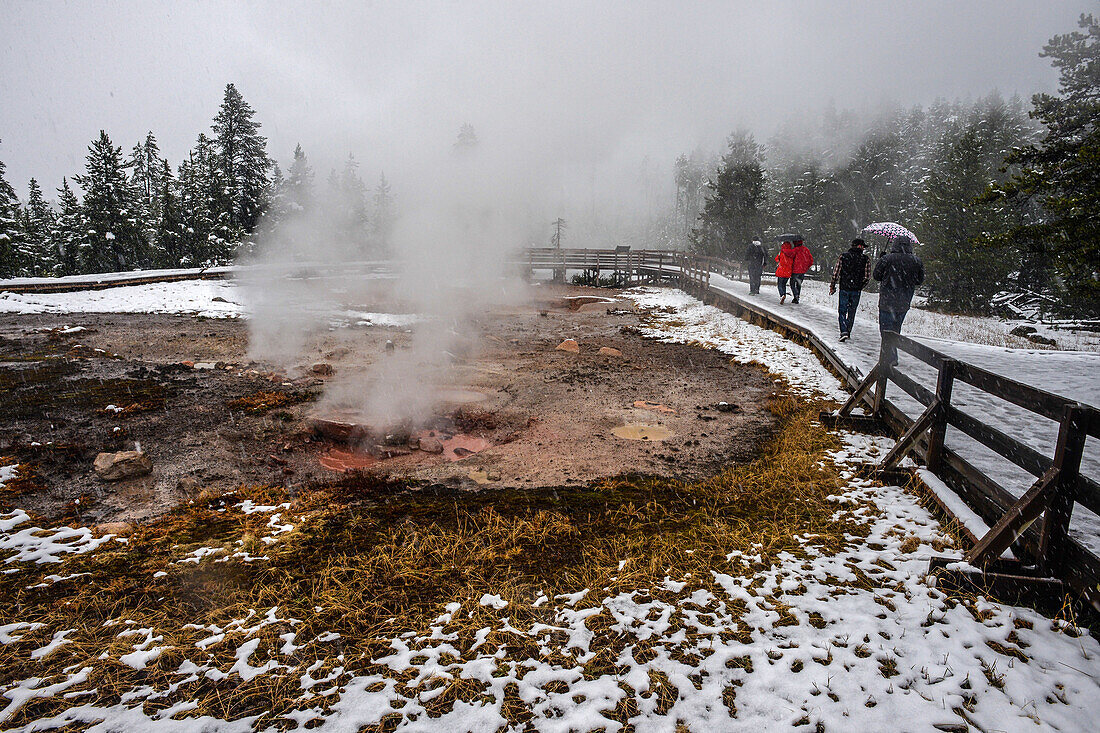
(1059, 485)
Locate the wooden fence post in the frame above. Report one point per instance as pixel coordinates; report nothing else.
(1067, 462)
(884, 368)
(944, 384)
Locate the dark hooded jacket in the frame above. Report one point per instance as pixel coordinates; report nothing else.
(754, 256)
(900, 272)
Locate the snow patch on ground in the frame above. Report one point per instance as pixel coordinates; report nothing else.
(676, 317)
(190, 297)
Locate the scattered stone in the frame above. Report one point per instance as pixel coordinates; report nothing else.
(204, 365)
(431, 445)
(727, 407)
(188, 364)
(119, 528)
(397, 438)
(608, 351)
(218, 299)
(122, 465)
(188, 484)
(463, 452)
(389, 345)
(544, 314)
(492, 476)
(569, 345)
(1023, 330)
(394, 451)
(323, 369)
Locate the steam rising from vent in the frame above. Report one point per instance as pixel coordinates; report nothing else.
(450, 251)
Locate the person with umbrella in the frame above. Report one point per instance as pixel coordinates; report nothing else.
(900, 272)
(754, 261)
(852, 273)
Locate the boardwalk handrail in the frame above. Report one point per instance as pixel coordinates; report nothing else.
(1060, 484)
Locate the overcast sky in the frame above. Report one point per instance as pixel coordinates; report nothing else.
(582, 84)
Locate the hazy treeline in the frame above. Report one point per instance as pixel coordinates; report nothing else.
(1002, 197)
(134, 211)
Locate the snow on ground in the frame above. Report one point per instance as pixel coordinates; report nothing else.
(848, 640)
(205, 298)
(677, 317)
(1071, 374)
(191, 297)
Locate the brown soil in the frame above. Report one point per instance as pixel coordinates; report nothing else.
(518, 413)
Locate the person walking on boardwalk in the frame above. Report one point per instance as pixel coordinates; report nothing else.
(754, 261)
(852, 272)
(803, 259)
(900, 272)
(785, 261)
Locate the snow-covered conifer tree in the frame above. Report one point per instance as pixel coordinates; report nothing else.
(11, 230)
(243, 160)
(114, 241)
(37, 227)
(69, 233)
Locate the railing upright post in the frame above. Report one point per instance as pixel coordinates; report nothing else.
(1067, 462)
(944, 384)
(884, 367)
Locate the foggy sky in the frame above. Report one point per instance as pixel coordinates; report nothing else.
(585, 86)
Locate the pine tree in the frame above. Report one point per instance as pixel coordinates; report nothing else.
(206, 237)
(1061, 173)
(69, 232)
(169, 237)
(298, 187)
(467, 139)
(38, 221)
(11, 230)
(243, 161)
(146, 167)
(384, 216)
(733, 214)
(351, 207)
(690, 192)
(114, 242)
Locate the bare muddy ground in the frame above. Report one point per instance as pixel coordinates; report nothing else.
(515, 412)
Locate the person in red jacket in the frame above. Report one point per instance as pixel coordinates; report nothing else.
(784, 263)
(802, 261)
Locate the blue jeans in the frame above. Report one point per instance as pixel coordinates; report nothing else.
(782, 283)
(849, 301)
(891, 321)
(796, 284)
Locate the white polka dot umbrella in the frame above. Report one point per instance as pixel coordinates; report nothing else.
(890, 230)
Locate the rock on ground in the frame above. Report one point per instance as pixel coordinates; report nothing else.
(122, 465)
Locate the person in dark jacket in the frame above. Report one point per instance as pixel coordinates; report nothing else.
(803, 259)
(754, 262)
(851, 274)
(900, 272)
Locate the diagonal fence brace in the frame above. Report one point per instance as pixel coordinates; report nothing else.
(1014, 521)
(909, 440)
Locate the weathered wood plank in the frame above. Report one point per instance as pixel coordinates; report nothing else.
(1031, 398)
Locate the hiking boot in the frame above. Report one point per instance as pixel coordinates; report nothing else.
(844, 336)
(782, 299)
(795, 301)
